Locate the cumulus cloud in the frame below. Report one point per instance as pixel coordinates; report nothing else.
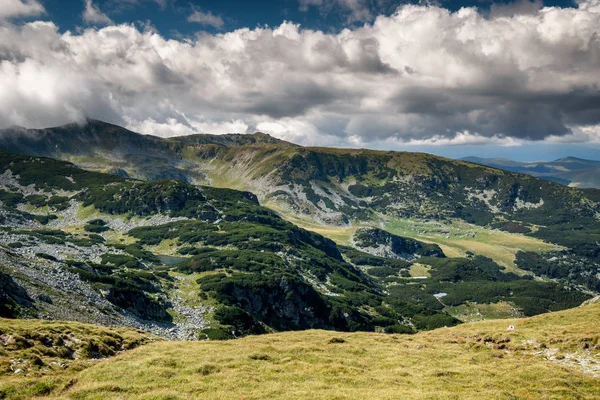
(423, 75)
(206, 18)
(20, 8)
(93, 15)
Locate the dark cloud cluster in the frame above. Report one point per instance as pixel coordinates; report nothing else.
(421, 75)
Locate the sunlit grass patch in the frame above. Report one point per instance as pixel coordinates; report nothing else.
(471, 361)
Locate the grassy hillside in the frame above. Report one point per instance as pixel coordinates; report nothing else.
(334, 187)
(182, 261)
(491, 223)
(553, 356)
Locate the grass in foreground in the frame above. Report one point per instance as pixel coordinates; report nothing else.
(541, 358)
(35, 355)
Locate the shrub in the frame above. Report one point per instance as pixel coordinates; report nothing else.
(399, 328)
(216, 334)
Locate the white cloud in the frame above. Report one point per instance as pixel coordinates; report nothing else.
(206, 18)
(423, 75)
(20, 8)
(93, 15)
(298, 131)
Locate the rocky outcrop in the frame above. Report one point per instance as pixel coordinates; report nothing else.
(384, 244)
(13, 297)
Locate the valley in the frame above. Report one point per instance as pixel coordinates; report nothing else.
(336, 247)
(283, 237)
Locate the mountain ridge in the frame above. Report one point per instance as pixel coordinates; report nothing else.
(506, 236)
(570, 171)
(335, 187)
(65, 230)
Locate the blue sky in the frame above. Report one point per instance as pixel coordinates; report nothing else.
(494, 79)
(170, 16)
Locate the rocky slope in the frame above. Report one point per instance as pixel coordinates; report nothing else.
(329, 186)
(192, 262)
(84, 246)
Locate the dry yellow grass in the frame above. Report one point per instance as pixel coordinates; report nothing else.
(473, 361)
(419, 270)
(339, 234)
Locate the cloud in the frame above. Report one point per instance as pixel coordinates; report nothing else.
(182, 126)
(206, 18)
(423, 75)
(20, 8)
(93, 15)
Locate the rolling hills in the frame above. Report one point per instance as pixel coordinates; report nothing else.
(419, 241)
(185, 261)
(329, 190)
(552, 356)
(571, 171)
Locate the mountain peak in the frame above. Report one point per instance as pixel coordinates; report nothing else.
(571, 159)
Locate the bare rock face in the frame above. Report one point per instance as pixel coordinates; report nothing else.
(12, 297)
(384, 244)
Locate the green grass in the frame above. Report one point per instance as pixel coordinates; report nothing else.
(484, 360)
(340, 235)
(419, 270)
(85, 213)
(471, 312)
(457, 237)
(41, 348)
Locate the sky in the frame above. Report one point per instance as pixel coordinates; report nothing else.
(519, 79)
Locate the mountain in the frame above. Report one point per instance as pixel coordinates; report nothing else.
(498, 229)
(189, 262)
(571, 171)
(551, 356)
(339, 188)
(110, 148)
(186, 261)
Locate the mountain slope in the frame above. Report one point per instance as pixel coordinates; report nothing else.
(335, 187)
(467, 209)
(114, 251)
(554, 356)
(191, 262)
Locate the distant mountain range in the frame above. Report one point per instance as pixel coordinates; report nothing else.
(571, 171)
